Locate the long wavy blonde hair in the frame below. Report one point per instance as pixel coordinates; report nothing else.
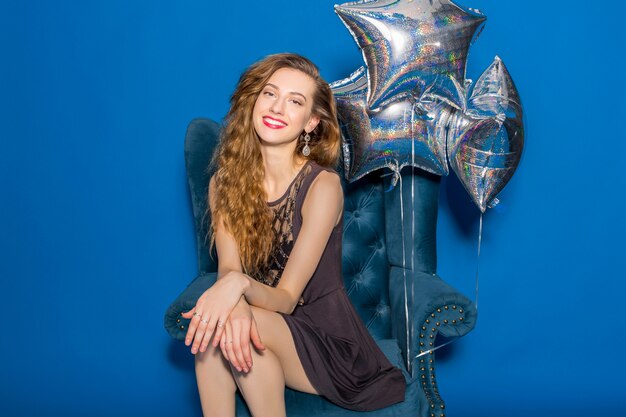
(240, 200)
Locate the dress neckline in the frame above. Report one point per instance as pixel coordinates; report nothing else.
(273, 203)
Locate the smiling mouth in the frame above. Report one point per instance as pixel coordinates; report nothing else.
(273, 123)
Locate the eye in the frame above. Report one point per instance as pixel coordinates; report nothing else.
(296, 101)
(268, 93)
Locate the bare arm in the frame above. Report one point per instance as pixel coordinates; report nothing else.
(239, 320)
(225, 243)
(321, 211)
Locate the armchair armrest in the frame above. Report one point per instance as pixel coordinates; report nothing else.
(175, 324)
(437, 308)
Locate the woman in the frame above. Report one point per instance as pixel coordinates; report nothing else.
(278, 314)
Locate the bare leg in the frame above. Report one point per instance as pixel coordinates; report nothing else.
(277, 337)
(215, 384)
(264, 386)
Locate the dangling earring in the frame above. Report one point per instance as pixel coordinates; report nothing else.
(306, 151)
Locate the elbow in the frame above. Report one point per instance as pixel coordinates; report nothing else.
(286, 311)
(290, 305)
(288, 308)
(272, 299)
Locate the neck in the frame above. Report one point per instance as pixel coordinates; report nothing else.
(280, 169)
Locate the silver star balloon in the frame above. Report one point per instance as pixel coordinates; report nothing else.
(410, 46)
(485, 143)
(402, 133)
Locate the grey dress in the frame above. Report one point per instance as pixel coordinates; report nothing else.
(338, 354)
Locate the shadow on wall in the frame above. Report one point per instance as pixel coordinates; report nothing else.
(455, 199)
(446, 352)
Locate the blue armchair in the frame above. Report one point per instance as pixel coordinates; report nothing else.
(374, 275)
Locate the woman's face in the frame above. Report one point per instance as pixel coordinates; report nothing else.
(283, 109)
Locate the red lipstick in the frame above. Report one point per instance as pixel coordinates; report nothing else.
(273, 123)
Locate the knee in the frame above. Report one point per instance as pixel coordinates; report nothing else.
(211, 356)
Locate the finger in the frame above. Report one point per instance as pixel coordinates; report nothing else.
(229, 349)
(193, 326)
(203, 328)
(219, 327)
(228, 343)
(219, 331)
(211, 333)
(255, 337)
(237, 329)
(204, 343)
(244, 341)
(223, 341)
(189, 313)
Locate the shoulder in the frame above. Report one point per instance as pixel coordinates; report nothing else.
(327, 182)
(328, 177)
(324, 195)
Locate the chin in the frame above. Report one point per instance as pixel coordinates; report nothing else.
(276, 138)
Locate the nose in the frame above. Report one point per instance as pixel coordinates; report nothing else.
(277, 106)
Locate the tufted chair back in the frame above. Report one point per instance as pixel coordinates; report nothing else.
(374, 213)
(364, 254)
(378, 219)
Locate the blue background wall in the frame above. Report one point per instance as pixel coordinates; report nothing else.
(97, 238)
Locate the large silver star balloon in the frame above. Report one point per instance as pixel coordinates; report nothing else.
(485, 143)
(402, 133)
(410, 46)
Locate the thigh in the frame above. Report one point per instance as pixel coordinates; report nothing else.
(276, 336)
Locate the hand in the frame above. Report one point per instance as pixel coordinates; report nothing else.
(240, 331)
(212, 310)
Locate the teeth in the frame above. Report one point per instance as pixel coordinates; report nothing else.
(274, 122)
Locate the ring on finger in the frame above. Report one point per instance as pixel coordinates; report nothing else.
(220, 323)
(196, 314)
(204, 321)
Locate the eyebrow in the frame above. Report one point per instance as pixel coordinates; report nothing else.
(291, 92)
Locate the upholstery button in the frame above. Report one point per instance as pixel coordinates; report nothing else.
(355, 213)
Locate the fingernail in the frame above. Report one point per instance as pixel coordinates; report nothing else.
(249, 364)
(187, 342)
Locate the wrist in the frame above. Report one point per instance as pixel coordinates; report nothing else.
(245, 284)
